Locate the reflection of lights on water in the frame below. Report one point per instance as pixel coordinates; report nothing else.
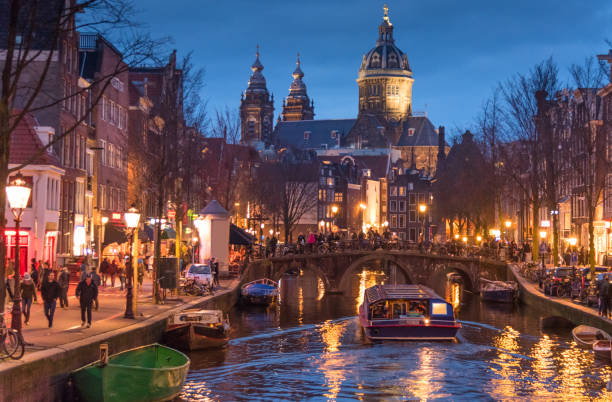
(367, 279)
(321, 288)
(543, 365)
(333, 362)
(300, 305)
(423, 387)
(506, 366)
(572, 364)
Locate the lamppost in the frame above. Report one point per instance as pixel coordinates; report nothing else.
(334, 210)
(508, 225)
(132, 218)
(18, 194)
(362, 206)
(422, 211)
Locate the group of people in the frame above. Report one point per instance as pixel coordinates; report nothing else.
(52, 289)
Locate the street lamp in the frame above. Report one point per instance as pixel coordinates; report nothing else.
(543, 234)
(132, 218)
(508, 224)
(18, 194)
(479, 238)
(465, 239)
(422, 210)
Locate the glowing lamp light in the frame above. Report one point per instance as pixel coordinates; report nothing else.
(132, 217)
(508, 224)
(104, 220)
(478, 238)
(262, 226)
(116, 216)
(271, 232)
(362, 206)
(465, 239)
(422, 208)
(427, 321)
(386, 223)
(543, 234)
(607, 224)
(334, 209)
(572, 241)
(18, 193)
(456, 236)
(322, 223)
(545, 224)
(195, 240)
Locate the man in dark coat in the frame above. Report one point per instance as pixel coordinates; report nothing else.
(50, 291)
(64, 282)
(87, 292)
(604, 288)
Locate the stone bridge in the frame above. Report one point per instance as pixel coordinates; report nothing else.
(335, 269)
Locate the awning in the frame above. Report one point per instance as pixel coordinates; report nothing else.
(114, 234)
(239, 237)
(149, 231)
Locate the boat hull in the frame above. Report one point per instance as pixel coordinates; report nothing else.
(586, 336)
(602, 350)
(499, 296)
(411, 333)
(196, 337)
(258, 300)
(135, 375)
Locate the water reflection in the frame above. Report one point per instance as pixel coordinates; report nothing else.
(310, 346)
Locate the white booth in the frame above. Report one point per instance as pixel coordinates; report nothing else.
(213, 226)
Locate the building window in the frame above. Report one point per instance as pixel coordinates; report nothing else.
(401, 236)
(402, 191)
(392, 206)
(402, 220)
(338, 197)
(393, 221)
(410, 186)
(411, 199)
(412, 216)
(412, 234)
(321, 195)
(393, 191)
(330, 181)
(402, 206)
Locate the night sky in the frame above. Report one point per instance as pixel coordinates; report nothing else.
(458, 50)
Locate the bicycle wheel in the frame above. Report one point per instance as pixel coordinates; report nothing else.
(13, 346)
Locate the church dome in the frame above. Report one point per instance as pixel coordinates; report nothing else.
(385, 55)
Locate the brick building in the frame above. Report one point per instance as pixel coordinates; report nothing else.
(409, 191)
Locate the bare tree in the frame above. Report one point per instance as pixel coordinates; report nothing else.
(32, 37)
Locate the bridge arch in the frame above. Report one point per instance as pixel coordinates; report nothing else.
(278, 273)
(461, 270)
(406, 270)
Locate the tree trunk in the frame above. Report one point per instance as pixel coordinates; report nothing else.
(555, 247)
(535, 243)
(4, 159)
(591, 238)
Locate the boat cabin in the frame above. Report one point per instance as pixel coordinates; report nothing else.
(404, 302)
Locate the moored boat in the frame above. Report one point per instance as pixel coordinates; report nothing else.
(406, 312)
(602, 349)
(148, 373)
(197, 329)
(498, 291)
(261, 292)
(586, 336)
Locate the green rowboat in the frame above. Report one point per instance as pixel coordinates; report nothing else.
(148, 373)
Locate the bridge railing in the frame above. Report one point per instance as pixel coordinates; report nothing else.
(342, 246)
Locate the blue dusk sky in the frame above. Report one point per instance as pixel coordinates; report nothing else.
(458, 50)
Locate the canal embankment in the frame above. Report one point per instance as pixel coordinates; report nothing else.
(43, 375)
(555, 307)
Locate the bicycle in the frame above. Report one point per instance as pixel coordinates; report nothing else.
(12, 342)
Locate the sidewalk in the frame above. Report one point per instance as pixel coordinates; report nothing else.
(67, 322)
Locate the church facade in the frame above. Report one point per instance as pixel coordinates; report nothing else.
(385, 122)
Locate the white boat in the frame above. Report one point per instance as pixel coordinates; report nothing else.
(586, 336)
(498, 291)
(197, 329)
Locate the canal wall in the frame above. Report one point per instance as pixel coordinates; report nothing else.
(554, 307)
(43, 375)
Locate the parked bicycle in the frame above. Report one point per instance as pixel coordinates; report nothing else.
(13, 345)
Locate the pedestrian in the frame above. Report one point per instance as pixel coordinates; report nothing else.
(95, 278)
(121, 274)
(64, 282)
(28, 293)
(45, 272)
(214, 266)
(604, 288)
(86, 292)
(50, 291)
(141, 270)
(112, 271)
(104, 266)
(34, 272)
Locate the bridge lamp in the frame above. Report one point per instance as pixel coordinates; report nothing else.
(573, 241)
(465, 239)
(508, 224)
(456, 237)
(478, 238)
(543, 234)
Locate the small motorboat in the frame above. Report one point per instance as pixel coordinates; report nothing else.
(602, 350)
(197, 329)
(148, 373)
(586, 336)
(498, 291)
(260, 292)
(406, 312)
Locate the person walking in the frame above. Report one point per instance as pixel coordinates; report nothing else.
(34, 272)
(214, 267)
(112, 271)
(604, 288)
(64, 282)
(104, 267)
(86, 292)
(28, 293)
(121, 275)
(45, 272)
(50, 291)
(95, 278)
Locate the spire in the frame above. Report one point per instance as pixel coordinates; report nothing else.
(257, 82)
(298, 73)
(385, 30)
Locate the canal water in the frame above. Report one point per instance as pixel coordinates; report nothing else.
(310, 346)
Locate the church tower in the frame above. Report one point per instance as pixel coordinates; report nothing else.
(298, 106)
(385, 78)
(256, 108)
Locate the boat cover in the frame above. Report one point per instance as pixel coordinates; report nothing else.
(389, 292)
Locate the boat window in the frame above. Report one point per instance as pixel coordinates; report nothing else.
(416, 309)
(379, 311)
(199, 269)
(439, 309)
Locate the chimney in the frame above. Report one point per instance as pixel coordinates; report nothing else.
(441, 143)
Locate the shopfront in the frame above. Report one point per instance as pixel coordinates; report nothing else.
(10, 238)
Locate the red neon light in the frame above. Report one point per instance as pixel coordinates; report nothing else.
(13, 233)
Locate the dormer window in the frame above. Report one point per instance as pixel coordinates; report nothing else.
(392, 60)
(375, 60)
(411, 132)
(306, 135)
(334, 134)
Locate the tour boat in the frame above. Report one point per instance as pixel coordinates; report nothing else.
(260, 292)
(406, 312)
(586, 336)
(602, 350)
(498, 291)
(197, 329)
(147, 373)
